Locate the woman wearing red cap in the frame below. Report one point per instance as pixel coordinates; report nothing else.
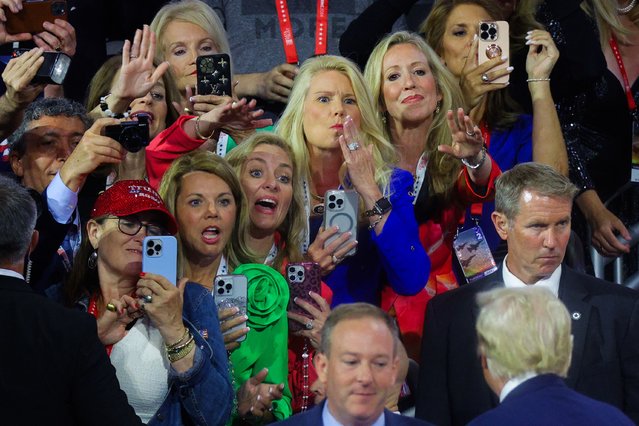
(141, 318)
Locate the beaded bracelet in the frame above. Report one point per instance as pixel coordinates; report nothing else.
(478, 165)
(105, 108)
(197, 130)
(537, 79)
(173, 357)
(184, 336)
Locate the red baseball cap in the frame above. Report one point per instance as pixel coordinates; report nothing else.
(128, 197)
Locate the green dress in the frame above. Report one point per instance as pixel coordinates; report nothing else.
(266, 344)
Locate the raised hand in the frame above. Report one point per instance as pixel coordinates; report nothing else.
(318, 316)
(14, 6)
(255, 398)
(229, 318)
(467, 140)
(329, 256)
(542, 54)
(17, 78)
(112, 323)
(59, 36)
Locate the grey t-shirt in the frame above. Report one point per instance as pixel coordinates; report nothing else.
(254, 32)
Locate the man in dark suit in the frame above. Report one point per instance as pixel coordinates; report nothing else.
(54, 370)
(357, 366)
(525, 348)
(532, 213)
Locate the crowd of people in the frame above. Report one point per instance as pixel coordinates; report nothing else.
(426, 187)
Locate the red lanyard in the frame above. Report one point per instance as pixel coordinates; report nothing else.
(93, 310)
(288, 38)
(632, 106)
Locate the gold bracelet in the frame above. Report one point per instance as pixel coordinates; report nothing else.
(537, 79)
(179, 348)
(173, 357)
(173, 345)
(197, 130)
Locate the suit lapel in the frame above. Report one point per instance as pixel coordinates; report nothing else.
(573, 295)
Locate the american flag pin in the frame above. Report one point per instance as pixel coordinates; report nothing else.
(204, 333)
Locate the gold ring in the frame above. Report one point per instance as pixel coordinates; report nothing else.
(111, 307)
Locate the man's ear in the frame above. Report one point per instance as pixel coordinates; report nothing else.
(16, 164)
(321, 366)
(501, 224)
(34, 240)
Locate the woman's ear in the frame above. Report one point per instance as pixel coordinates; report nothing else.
(94, 232)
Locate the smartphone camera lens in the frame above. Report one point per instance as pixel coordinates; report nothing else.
(220, 283)
(291, 278)
(228, 287)
(331, 205)
(484, 26)
(492, 31)
(150, 252)
(340, 202)
(149, 243)
(220, 291)
(331, 198)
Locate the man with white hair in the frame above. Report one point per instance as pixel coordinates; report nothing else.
(525, 347)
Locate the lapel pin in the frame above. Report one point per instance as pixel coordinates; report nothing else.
(205, 333)
(576, 315)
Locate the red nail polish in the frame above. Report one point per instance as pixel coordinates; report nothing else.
(142, 274)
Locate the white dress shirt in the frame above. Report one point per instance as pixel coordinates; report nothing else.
(551, 283)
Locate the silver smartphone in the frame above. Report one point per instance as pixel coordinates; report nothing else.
(341, 208)
(230, 291)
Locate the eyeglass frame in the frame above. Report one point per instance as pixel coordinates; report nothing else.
(134, 220)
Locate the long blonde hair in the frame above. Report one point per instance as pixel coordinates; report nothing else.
(291, 128)
(236, 250)
(294, 225)
(605, 15)
(443, 169)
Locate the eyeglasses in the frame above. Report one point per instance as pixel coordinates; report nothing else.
(132, 225)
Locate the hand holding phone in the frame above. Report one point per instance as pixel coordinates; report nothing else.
(214, 75)
(494, 42)
(230, 291)
(302, 278)
(160, 256)
(341, 209)
(34, 14)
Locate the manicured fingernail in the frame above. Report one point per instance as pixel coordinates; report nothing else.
(474, 37)
(142, 274)
(295, 299)
(504, 57)
(192, 99)
(245, 317)
(529, 42)
(529, 32)
(509, 69)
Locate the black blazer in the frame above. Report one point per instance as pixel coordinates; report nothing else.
(54, 370)
(313, 417)
(605, 359)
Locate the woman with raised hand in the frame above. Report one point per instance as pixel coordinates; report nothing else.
(416, 96)
(164, 340)
(332, 127)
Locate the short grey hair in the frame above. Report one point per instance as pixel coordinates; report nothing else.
(536, 177)
(18, 219)
(351, 311)
(521, 330)
(47, 107)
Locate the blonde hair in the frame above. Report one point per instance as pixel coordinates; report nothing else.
(191, 11)
(608, 23)
(523, 330)
(291, 128)
(236, 250)
(443, 169)
(293, 227)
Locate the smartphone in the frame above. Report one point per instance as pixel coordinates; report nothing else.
(160, 256)
(54, 68)
(214, 75)
(230, 291)
(302, 277)
(341, 208)
(33, 15)
(494, 42)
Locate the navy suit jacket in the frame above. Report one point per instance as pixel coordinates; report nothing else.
(605, 358)
(313, 417)
(54, 370)
(546, 400)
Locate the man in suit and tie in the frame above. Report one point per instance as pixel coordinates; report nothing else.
(54, 370)
(533, 206)
(357, 366)
(525, 348)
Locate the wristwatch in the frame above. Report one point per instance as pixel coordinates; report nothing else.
(381, 207)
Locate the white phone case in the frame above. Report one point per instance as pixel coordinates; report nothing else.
(341, 208)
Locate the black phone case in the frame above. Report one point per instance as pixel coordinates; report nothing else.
(214, 75)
